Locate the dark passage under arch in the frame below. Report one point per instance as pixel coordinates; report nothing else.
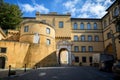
(2, 62)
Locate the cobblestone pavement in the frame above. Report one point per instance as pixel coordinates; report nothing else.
(64, 73)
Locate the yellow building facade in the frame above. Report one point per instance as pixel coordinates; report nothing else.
(57, 39)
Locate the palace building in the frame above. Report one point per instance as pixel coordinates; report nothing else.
(57, 39)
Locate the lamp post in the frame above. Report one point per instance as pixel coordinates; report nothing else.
(25, 68)
(9, 70)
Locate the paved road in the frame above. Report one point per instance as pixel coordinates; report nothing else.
(64, 73)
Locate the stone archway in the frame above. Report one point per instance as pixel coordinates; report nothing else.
(2, 62)
(63, 56)
(64, 49)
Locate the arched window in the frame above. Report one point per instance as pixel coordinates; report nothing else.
(76, 38)
(90, 48)
(95, 26)
(81, 26)
(82, 37)
(76, 48)
(105, 23)
(75, 26)
(96, 38)
(88, 26)
(116, 12)
(89, 38)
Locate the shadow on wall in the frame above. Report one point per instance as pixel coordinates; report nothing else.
(49, 61)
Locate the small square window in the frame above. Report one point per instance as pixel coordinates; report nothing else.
(44, 21)
(3, 50)
(48, 30)
(90, 59)
(26, 28)
(83, 59)
(48, 42)
(77, 59)
(61, 24)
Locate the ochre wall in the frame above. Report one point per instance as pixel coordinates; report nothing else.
(15, 53)
(39, 53)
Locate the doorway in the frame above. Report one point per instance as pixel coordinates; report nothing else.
(63, 57)
(2, 62)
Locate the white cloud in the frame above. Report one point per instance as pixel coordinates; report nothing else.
(107, 2)
(90, 8)
(100, 0)
(77, 8)
(84, 15)
(27, 8)
(35, 7)
(95, 9)
(70, 6)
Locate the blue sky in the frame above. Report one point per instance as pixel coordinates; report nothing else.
(77, 8)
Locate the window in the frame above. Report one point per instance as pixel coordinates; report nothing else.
(95, 26)
(116, 12)
(75, 38)
(108, 35)
(84, 59)
(118, 27)
(76, 48)
(90, 48)
(61, 24)
(75, 26)
(2, 50)
(109, 20)
(77, 59)
(26, 28)
(83, 48)
(82, 26)
(83, 38)
(88, 26)
(48, 30)
(89, 38)
(96, 38)
(44, 21)
(48, 42)
(90, 59)
(105, 23)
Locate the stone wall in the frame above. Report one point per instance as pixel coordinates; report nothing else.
(15, 53)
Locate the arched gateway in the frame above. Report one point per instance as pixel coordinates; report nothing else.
(64, 55)
(2, 62)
